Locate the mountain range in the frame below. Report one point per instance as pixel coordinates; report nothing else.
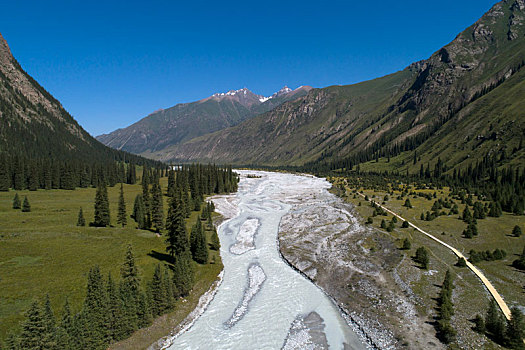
(183, 122)
(461, 104)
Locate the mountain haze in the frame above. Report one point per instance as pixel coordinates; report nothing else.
(186, 121)
(462, 103)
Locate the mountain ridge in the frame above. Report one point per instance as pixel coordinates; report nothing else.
(185, 121)
(391, 115)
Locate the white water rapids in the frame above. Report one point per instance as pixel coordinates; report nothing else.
(262, 302)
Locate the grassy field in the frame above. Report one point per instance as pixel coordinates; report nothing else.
(44, 252)
(470, 297)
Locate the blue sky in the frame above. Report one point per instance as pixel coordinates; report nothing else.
(111, 63)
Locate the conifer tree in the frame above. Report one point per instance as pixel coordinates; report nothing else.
(49, 340)
(81, 221)
(102, 216)
(139, 212)
(516, 231)
(406, 244)
(130, 290)
(5, 181)
(122, 215)
(114, 311)
(157, 207)
(515, 332)
(157, 293)
(183, 273)
(422, 257)
(177, 240)
(12, 341)
(215, 242)
(67, 325)
(94, 311)
(33, 328)
(16, 202)
(169, 288)
(26, 207)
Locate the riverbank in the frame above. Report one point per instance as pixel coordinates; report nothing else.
(322, 237)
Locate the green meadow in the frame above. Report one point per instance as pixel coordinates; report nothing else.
(44, 252)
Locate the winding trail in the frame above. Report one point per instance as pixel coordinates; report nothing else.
(499, 300)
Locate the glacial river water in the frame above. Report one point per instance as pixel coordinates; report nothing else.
(262, 302)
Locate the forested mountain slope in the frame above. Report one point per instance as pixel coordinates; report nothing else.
(468, 94)
(33, 124)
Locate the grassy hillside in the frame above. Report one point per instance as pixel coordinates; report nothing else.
(44, 252)
(467, 95)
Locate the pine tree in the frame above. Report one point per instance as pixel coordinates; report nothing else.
(139, 212)
(146, 199)
(183, 273)
(515, 332)
(467, 216)
(520, 262)
(49, 340)
(67, 325)
(16, 202)
(94, 311)
(102, 216)
(12, 341)
(157, 207)
(33, 328)
(199, 249)
(422, 257)
(81, 221)
(479, 324)
(157, 293)
(122, 215)
(5, 182)
(406, 244)
(26, 207)
(215, 242)
(516, 231)
(130, 290)
(114, 311)
(177, 240)
(169, 288)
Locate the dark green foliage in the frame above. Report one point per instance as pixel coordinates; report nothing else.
(405, 224)
(479, 211)
(16, 202)
(122, 215)
(102, 217)
(115, 311)
(470, 231)
(406, 244)
(515, 332)
(446, 309)
(33, 328)
(520, 262)
(198, 245)
(467, 216)
(93, 315)
(183, 273)
(139, 212)
(157, 207)
(215, 242)
(391, 226)
(516, 231)
(177, 240)
(383, 224)
(495, 209)
(158, 294)
(81, 221)
(479, 324)
(369, 221)
(461, 262)
(487, 255)
(26, 207)
(494, 322)
(422, 258)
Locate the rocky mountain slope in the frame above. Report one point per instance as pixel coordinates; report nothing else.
(34, 124)
(185, 121)
(462, 103)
